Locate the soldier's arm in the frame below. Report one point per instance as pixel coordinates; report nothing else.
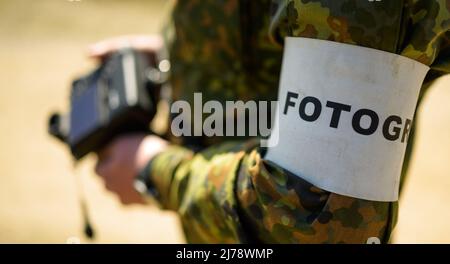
(231, 188)
(415, 29)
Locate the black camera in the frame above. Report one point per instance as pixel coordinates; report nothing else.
(119, 97)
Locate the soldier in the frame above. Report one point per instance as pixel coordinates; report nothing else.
(229, 50)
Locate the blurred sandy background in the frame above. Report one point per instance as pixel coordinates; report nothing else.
(42, 47)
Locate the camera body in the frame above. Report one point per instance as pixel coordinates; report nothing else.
(119, 97)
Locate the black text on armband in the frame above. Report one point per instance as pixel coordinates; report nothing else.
(394, 128)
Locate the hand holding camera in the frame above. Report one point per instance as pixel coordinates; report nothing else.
(111, 109)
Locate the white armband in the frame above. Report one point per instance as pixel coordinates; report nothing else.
(344, 116)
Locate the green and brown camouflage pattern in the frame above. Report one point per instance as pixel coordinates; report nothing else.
(231, 50)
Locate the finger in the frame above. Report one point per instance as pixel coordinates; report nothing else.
(144, 43)
(105, 47)
(104, 161)
(102, 166)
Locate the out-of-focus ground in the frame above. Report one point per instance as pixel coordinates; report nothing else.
(42, 47)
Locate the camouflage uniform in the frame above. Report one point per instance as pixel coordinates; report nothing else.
(231, 50)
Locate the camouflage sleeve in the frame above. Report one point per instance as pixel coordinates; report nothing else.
(417, 29)
(230, 194)
(201, 188)
(280, 207)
